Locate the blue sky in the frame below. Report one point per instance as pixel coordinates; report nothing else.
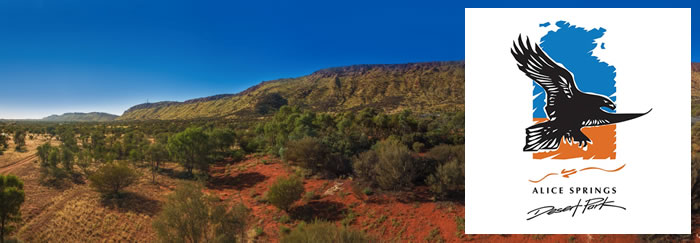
(67, 56)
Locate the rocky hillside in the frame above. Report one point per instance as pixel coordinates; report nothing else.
(695, 89)
(81, 117)
(422, 87)
(695, 82)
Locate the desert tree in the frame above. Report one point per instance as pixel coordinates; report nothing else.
(156, 154)
(67, 137)
(191, 148)
(84, 161)
(18, 138)
(136, 156)
(49, 159)
(222, 139)
(11, 198)
(133, 147)
(67, 158)
(3, 142)
(97, 146)
(42, 151)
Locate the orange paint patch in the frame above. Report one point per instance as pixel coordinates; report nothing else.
(602, 147)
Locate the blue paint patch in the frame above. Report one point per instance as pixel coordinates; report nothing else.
(602, 45)
(572, 47)
(544, 25)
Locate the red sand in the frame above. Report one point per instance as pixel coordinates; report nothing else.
(401, 217)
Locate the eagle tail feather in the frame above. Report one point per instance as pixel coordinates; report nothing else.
(542, 136)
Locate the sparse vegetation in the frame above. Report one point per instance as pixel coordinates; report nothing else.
(319, 231)
(434, 236)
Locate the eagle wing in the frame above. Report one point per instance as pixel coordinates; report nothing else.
(556, 80)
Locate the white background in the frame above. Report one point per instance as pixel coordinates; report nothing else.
(650, 48)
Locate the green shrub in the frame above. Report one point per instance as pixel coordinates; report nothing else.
(11, 198)
(320, 231)
(444, 166)
(190, 216)
(249, 145)
(285, 191)
(444, 153)
(396, 167)
(418, 147)
(363, 165)
(391, 165)
(112, 178)
(448, 177)
(236, 155)
(440, 155)
(314, 155)
(221, 139)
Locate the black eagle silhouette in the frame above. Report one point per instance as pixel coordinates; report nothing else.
(568, 108)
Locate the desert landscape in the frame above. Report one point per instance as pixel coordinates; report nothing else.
(280, 169)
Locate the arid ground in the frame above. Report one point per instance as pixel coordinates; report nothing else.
(75, 213)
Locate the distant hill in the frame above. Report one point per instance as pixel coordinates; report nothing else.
(81, 117)
(695, 82)
(422, 87)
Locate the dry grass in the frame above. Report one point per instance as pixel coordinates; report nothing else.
(76, 213)
(10, 155)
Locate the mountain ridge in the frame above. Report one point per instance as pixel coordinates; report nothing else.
(81, 116)
(427, 86)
